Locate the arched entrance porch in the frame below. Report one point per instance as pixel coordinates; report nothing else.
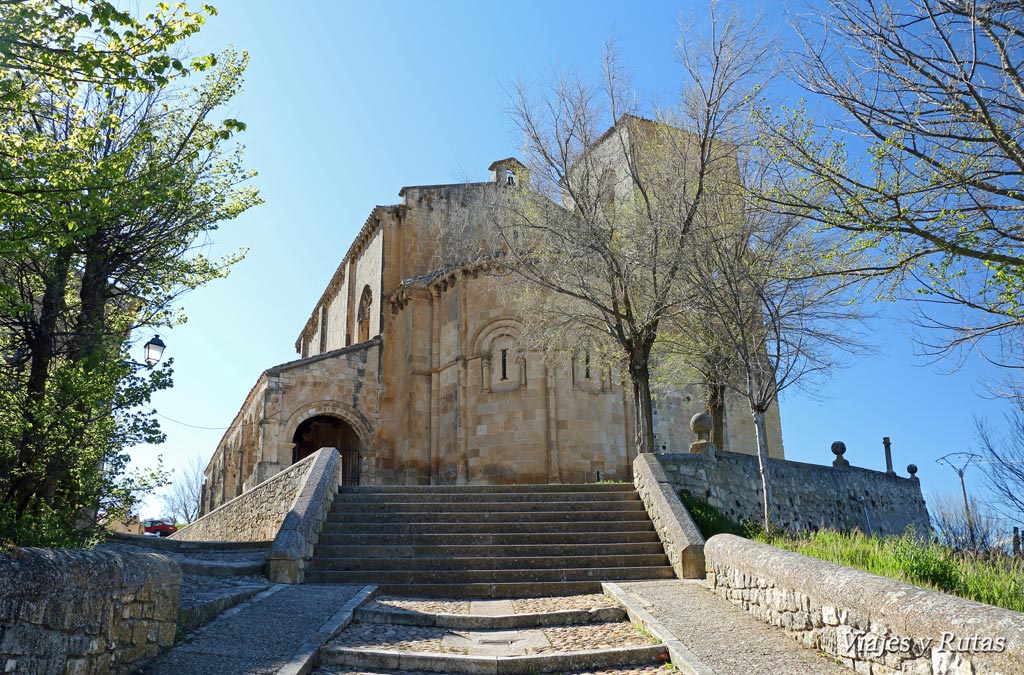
(327, 431)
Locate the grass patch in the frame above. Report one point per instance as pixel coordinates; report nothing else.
(995, 579)
(710, 521)
(998, 580)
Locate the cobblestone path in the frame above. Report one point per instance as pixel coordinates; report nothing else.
(257, 637)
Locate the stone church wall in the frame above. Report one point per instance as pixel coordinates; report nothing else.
(806, 496)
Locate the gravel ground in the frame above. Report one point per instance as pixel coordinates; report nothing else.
(425, 606)
(649, 670)
(394, 638)
(197, 589)
(594, 636)
(722, 635)
(519, 605)
(557, 604)
(391, 637)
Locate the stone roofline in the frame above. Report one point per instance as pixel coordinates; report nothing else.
(438, 281)
(369, 228)
(280, 368)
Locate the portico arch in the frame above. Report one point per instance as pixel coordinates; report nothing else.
(331, 425)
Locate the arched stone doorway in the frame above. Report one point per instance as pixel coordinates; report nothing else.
(325, 431)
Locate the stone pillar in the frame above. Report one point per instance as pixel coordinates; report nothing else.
(888, 455)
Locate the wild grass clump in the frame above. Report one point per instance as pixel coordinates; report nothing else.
(993, 578)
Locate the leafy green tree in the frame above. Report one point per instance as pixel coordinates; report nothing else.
(112, 174)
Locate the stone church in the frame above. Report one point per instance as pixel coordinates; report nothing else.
(410, 368)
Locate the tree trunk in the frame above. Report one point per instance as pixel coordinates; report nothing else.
(716, 408)
(42, 344)
(639, 372)
(762, 460)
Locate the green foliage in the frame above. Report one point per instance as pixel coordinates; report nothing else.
(710, 521)
(995, 581)
(113, 173)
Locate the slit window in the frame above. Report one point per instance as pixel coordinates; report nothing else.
(504, 364)
(586, 365)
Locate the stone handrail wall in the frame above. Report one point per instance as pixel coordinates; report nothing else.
(866, 621)
(678, 533)
(300, 531)
(76, 611)
(255, 515)
(805, 496)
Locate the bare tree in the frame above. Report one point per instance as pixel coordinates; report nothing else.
(1003, 460)
(183, 498)
(763, 304)
(614, 197)
(976, 530)
(926, 169)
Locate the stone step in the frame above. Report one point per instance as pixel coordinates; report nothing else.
(559, 662)
(336, 535)
(484, 563)
(533, 589)
(567, 617)
(634, 506)
(345, 497)
(430, 516)
(481, 489)
(391, 578)
(613, 670)
(644, 525)
(496, 550)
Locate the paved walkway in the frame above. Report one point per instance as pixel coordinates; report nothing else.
(723, 636)
(256, 638)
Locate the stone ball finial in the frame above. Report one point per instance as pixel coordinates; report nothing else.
(700, 424)
(912, 470)
(839, 449)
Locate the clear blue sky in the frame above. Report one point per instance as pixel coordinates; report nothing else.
(346, 102)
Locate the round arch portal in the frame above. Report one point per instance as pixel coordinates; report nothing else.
(328, 431)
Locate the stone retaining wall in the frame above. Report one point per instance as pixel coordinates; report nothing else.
(300, 531)
(683, 542)
(255, 515)
(84, 612)
(868, 622)
(805, 496)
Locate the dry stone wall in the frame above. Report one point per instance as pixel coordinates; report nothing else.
(805, 496)
(870, 623)
(84, 612)
(255, 515)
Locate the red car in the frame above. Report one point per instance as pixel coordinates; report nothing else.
(161, 528)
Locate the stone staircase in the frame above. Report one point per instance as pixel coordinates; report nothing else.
(392, 636)
(488, 541)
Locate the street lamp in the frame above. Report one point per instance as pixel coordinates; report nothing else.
(952, 460)
(154, 349)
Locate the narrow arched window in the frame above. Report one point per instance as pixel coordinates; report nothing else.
(363, 315)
